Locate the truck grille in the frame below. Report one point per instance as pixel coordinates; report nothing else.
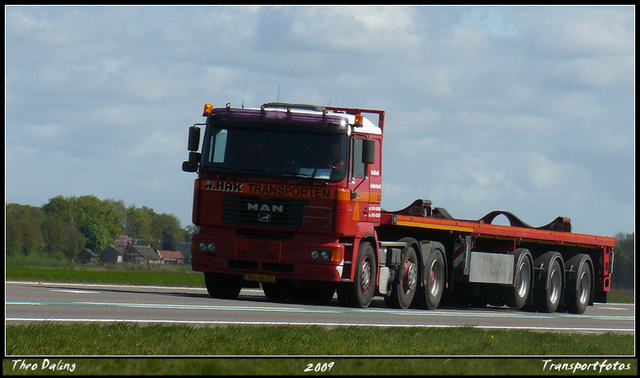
(253, 211)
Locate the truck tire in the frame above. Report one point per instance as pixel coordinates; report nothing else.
(278, 291)
(579, 284)
(223, 286)
(518, 295)
(435, 275)
(319, 292)
(548, 298)
(406, 282)
(359, 293)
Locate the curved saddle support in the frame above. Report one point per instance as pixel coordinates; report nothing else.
(420, 207)
(558, 224)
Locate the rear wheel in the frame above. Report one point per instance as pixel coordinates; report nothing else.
(517, 295)
(435, 279)
(223, 286)
(577, 300)
(548, 300)
(359, 293)
(404, 289)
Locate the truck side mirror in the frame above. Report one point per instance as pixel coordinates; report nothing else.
(192, 145)
(194, 138)
(187, 167)
(368, 151)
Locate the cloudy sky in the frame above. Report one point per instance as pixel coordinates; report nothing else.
(525, 109)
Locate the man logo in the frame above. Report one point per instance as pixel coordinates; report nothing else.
(264, 217)
(265, 207)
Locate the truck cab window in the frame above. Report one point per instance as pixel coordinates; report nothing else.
(285, 155)
(359, 170)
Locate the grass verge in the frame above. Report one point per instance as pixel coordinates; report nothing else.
(168, 340)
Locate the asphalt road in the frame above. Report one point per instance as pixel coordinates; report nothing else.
(32, 302)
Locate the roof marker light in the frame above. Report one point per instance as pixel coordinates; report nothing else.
(358, 120)
(208, 108)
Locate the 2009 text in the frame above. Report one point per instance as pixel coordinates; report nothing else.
(319, 367)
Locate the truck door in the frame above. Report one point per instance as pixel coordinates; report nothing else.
(366, 183)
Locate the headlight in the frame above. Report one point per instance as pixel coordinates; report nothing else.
(207, 247)
(324, 255)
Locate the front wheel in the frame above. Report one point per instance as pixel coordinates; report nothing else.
(359, 293)
(223, 286)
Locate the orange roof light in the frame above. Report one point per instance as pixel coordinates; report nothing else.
(358, 121)
(208, 108)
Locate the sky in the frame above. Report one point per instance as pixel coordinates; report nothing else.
(527, 109)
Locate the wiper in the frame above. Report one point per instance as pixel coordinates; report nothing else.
(311, 177)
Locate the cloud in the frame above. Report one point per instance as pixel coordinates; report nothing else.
(529, 109)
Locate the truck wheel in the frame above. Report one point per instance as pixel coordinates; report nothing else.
(435, 279)
(517, 295)
(548, 300)
(223, 286)
(360, 292)
(404, 289)
(278, 291)
(577, 299)
(320, 292)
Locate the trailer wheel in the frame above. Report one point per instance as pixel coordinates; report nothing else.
(548, 300)
(404, 289)
(435, 279)
(223, 286)
(517, 295)
(577, 299)
(359, 293)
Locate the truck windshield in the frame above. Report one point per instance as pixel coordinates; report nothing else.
(286, 155)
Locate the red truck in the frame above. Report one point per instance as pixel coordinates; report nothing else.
(289, 196)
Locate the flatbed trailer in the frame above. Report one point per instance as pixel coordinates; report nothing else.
(272, 210)
(511, 264)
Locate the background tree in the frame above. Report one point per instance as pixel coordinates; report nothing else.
(167, 226)
(99, 221)
(138, 223)
(123, 242)
(74, 239)
(52, 233)
(22, 230)
(64, 226)
(623, 262)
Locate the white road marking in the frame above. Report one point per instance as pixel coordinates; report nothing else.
(76, 291)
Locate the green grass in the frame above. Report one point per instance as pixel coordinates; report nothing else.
(153, 340)
(353, 351)
(123, 277)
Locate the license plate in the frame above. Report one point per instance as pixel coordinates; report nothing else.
(258, 250)
(260, 278)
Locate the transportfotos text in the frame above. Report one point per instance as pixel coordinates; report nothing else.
(598, 366)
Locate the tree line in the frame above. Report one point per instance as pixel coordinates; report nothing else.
(624, 261)
(65, 226)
